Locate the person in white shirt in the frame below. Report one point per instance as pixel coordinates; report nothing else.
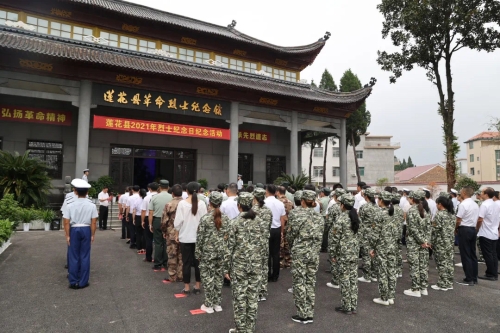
(405, 205)
(467, 215)
(487, 232)
(359, 196)
(122, 208)
(454, 199)
(277, 228)
(431, 203)
(145, 222)
(131, 204)
(240, 182)
(104, 199)
(184, 191)
(85, 175)
(187, 218)
(496, 199)
(230, 206)
(137, 214)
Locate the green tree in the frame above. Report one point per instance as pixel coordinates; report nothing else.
(313, 84)
(463, 181)
(311, 140)
(327, 82)
(429, 33)
(359, 120)
(404, 165)
(410, 163)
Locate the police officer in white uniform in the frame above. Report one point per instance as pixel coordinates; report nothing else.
(85, 175)
(240, 182)
(80, 224)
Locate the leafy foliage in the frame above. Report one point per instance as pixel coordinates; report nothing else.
(28, 214)
(327, 82)
(382, 182)
(24, 177)
(10, 210)
(6, 230)
(203, 183)
(298, 181)
(464, 181)
(404, 165)
(47, 215)
(97, 186)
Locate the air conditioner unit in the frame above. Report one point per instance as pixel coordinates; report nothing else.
(353, 175)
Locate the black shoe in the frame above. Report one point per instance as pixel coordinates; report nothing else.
(122, 237)
(275, 279)
(73, 286)
(186, 292)
(310, 320)
(196, 291)
(341, 310)
(465, 282)
(301, 320)
(66, 266)
(489, 278)
(133, 246)
(85, 286)
(128, 242)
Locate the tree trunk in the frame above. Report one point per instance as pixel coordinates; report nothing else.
(311, 161)
(355, 157)
(324, 162)
(452, 147)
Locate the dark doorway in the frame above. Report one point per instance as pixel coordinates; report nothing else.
(148, 170)
(275, 166)
(245, 167)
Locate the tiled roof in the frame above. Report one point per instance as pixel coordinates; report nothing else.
(104, 55)
(143, 12)
(485, 136)
(410, 173)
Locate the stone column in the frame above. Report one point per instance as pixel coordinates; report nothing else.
(343, 153)
(294, 144)
(233, 143)
(82, 135)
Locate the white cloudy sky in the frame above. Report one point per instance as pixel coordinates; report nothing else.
(406, 110)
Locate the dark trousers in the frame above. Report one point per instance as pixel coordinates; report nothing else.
(79, 256)
(324, 243)
(498, 249)
(103, 217)
(148, 238)
(160, 244)
(274, 253)
(403, 236)
(188, 259)
(125, 231)
(131, 229)
(489, 249)
(139, 233)
(467, 246)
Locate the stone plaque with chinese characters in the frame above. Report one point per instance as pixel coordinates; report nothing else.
(254, 136)
(131, 98)
(33, 115)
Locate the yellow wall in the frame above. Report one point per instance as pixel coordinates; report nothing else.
(485, 169)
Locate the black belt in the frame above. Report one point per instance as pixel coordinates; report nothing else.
(464, 226)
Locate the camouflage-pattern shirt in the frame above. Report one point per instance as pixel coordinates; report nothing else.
(287, 203)
(333, 214)
(168, 217)
(344, 246)
(418, 228)
(383, 235)
(210, 241)
(265, 219)
(367, 216)
(398, 220)
(443, 229)
(305, 233)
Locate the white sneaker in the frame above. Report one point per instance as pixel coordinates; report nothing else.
(436, 287)
(400, 275)
(232, 330)
(331, 285)
(290, 290)
(424, 292)
(262, 299)
(207, 309)
(459, 264)
(217, 308)
(374, 280)
(362, 279)
(380, 301)
(410, 292)
(391, 301)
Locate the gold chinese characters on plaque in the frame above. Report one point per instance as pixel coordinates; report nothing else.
(240, 52)
(128, 79)
(43, 66)
(189, 41)
(320, 109)
(207, 91)
(131, 28)
(60, 12)
(268, 101)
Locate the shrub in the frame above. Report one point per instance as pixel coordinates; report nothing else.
(6, 229)
(10, 210)
(203, 183)
(29, 214)
(47, 215)
(464, 181)
(298, 181)
(97, 186)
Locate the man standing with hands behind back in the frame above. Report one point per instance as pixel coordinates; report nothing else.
(487, 232)
(103, 208)
(277, 230)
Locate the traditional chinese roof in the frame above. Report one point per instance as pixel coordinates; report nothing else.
(485, 136)
(152, 14)
(87, 52)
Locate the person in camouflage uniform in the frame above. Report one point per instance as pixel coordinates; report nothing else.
(443, 238)
(305, 234)
(243, 264)
(174, 256)
(418, 242)
(398, 220)
(209, 251)
(285, 259)
(383, 249)
(265, 219)
(344, 248)
(367, 214)
(333, 214)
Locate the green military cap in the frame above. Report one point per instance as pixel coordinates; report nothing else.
(215, 198)
(259, 185)
(326, 190)
(285, 184)
(369, 192)
(297, 195)
(444, 194)
(396, 196)
(245, 199)
(347, 199)
(419, 194)
(385, 196)
(259, 193)
(339, 192)
(164, 183)
(308, 195)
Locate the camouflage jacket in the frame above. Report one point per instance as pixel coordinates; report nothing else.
(324, 205)
(344, 245)
(265, 218)
(242, 252)
(332, 216)
(367, 215)
(305, 233)
(168, 217)
(443, 229)
(210, 241)
(384, 233)
(287, 203)
(398, 220)
(418, 227)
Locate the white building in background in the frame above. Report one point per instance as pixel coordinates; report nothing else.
(462, 168)
(375, 158)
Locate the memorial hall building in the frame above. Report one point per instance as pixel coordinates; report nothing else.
(140, 94)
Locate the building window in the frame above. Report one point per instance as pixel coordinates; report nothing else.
(128, 43)
(240, 65)
(472, 171)
(280, 73)
(51, 153)
(200, 57)
(478, 172)
(497, 155)
(146, 45)
(361, 171)
(275, 167)
(471, 158)
(111, 38)
(60, 29)
(41, 25)
(336, 152)
(471, 145)
(336, 171)
(8, 16)
(317, 171)
(186, 54)
(498, 172)
(318, 152)
(291, 76)
(359, 154)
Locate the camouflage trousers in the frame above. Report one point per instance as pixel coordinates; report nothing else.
(369, 263)
(444, 256)
(334, 269)
(245, 287)
(418, 259)
(211, 277)
(174, 260)
(399, 258)
(348, 276)
(285, 257)
(304, 284)
(479, 252)
(387, 276)
(264, 270)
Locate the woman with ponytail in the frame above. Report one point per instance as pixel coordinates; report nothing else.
(345, 251)
(384, 249)
(210, 252)
(187, 219)
(417, 243)
(443, 239)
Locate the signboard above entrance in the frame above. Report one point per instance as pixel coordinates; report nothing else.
(152, 127)
(31, 115)
(132, 98)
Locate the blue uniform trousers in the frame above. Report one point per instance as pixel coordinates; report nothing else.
(79, 255)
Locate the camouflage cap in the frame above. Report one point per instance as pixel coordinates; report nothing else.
(444, 194)
(297, 195)
(369, 192)
(309, 195)
(385, 196)
(419, 194)
(215, 198)
(396, 196)
(326, 190)
(259, 193)
(245, 199)
(347, 199)
(339, 192)
(259, 185)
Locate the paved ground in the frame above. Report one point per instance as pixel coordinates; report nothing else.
(127, 296)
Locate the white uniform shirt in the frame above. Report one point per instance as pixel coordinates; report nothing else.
(455, 203)
(131, 202)
(240, 184)
(278, 210)
(405, 207)
(105, 197)
(80, 212)
(468, 211)
(145, 202)
(402, 201)
(357, 200)
(362, 202)
(490, 213)
(184, 195)
(330, 204)
(84, 177)
(136, 205)
(230, 207)
(187, 223)
(69, 198)
(432, 207)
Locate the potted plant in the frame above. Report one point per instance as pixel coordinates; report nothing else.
(5, 233)
(27, 215)
(47, 215)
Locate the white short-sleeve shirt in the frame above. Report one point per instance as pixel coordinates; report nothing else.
(432, 208)
(81, 211)
(468, 211)
(230, 207)
(490, 213)
(145, 202)
(278, 210)
(105, 197)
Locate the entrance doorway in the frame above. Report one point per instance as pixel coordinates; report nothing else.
(141, 166)
(245, 167)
